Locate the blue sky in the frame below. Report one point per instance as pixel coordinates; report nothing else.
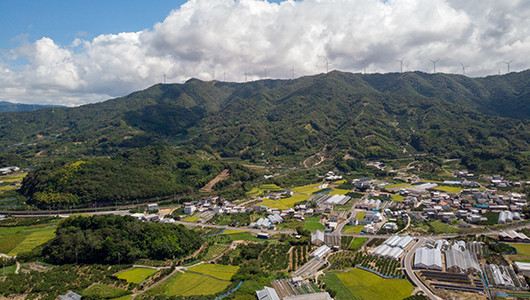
(65, 20)
(73, 52)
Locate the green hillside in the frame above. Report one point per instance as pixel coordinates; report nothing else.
(368, 116)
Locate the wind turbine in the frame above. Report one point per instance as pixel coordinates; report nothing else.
(401, 64)
(164, 78)
(292, 71)
(508, 64)
(434, 61)
(364, 66)
(327, 65)
(463, 69)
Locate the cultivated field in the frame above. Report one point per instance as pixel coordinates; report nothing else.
(218, 271)
(339, 192)
(307, 189)
(136, 275)
(313, 224)
(357, 243)
(522, 249)
(214, 251)
(360, 284)
(101, 291)
(189, 284)
(285, 203)
(353, 229)
(449, 189)
(190, 219)
(16, 240)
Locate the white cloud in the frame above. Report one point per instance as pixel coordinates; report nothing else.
(232, 38)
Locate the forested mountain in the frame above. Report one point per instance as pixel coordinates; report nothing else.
(369, 116)
(9, 107)
(114, 239)
(135, 174)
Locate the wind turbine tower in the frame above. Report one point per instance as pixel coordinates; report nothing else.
(327, 65)
(292, 72)
(364, 66)
(434, 61)
(401, 64)
(463, 69)
(508, 64)
(164, 78)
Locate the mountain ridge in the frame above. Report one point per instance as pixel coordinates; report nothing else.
(365, 115)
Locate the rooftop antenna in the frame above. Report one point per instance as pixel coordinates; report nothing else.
(508, 64)
(401, 64)
(434, 61)
(463, 69)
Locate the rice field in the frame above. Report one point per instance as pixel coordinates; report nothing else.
(218, 271)
(339, 192)
(449, 189)
(353, 229)
(307, 189)
(25, 238)
(360, 284)
(285, 203)
(313, 224)
(136, 275)
(189, 284)
(191, 219)
(522, 249)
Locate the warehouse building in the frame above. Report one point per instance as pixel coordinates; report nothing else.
(428, 259)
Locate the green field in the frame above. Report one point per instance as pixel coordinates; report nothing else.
(339, 192)
(136, 275)
(345, 207)
(189, 284)
(26, 238)
(218, 271)
(313, 224)
(397, 198)
(244, 236)
(232, 231)
(522, 249)
(440, 227)
(396, 185)
(8, 270)
(101, 291)
(307, 189)
(214, 251)
(285, 203)
(353, 229)
(360, 215)
(191, 219)
(360, 284)
(357, 243)
(449, 189)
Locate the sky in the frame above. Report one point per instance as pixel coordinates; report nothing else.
(77, 52)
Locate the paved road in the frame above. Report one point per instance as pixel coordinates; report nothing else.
(254, 230)
(412, 275)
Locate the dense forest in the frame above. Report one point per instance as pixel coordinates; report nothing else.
(135, 174)
(114, 239)
(366, 115)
